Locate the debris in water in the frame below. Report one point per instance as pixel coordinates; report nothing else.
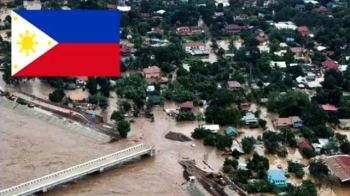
(177, 137)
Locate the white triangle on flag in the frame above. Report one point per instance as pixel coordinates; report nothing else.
(27, 43)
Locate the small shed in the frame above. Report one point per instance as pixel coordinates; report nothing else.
(230, 131)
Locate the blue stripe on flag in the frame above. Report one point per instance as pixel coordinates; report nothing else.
(76, 26)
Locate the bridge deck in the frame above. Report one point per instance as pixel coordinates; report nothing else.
(76, 171)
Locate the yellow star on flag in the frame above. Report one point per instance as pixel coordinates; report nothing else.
(15, 18)
(27, 42)
(15, 66)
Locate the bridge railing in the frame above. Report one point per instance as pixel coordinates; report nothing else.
(69, 169)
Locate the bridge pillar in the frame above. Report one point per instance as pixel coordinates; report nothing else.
(152, 152)
(102, 169)
(44, 189)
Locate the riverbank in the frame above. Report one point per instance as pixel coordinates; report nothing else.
(50, 118)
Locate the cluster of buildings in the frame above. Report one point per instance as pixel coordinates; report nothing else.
(338, 165)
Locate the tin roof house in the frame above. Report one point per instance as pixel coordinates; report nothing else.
(277, 177)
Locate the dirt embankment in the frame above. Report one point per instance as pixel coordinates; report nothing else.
(212, 182)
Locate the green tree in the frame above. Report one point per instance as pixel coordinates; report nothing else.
(248, 144)
(91, 85)
(345, 147)
(238, 76)
(103, 102)
(270, 142)
(117, 115)
(318, 168)
(290, 104)
(57, 95)
(241, 176)
(262, 123)
(307, 188)
(200, 133)
(296, 168)
(322, 131)
(185, 116)
(313, 115)
(223, 141)
(126, 106)
(287, 136)
(228, 163)
(210, 140)
(8, 19)
(258, 163)
(308, 153)
(123, 127)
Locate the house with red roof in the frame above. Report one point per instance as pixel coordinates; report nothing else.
(245, 106)
(125, 51)
(304, 143)
(152, 72)
(185, 30)
(298, 52)
(186, 106)
(329, 108)
(339, 165)
(261, 38)
(330, 64)
(304, 31)
(196, 30)
(111, 6)
(233, 85)
(233, 28)
(283, 122)
(321, 9)
(158, 30)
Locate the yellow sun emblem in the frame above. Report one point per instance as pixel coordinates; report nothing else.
(27, 43)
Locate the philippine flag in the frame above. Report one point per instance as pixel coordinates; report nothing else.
(65, 43)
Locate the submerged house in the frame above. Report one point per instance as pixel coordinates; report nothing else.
(230, 131)
(277, 177)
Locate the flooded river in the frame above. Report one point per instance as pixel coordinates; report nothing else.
(161, 175)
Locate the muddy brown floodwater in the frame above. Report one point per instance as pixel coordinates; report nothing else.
(31, 149)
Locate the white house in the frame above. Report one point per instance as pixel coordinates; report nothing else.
(280, 64)
(249, 118)
(212, 128)
(190, 46)
(285, 25)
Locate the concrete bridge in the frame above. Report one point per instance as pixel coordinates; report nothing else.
(72, 173)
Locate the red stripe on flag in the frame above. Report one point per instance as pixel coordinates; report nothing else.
(76, 60)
